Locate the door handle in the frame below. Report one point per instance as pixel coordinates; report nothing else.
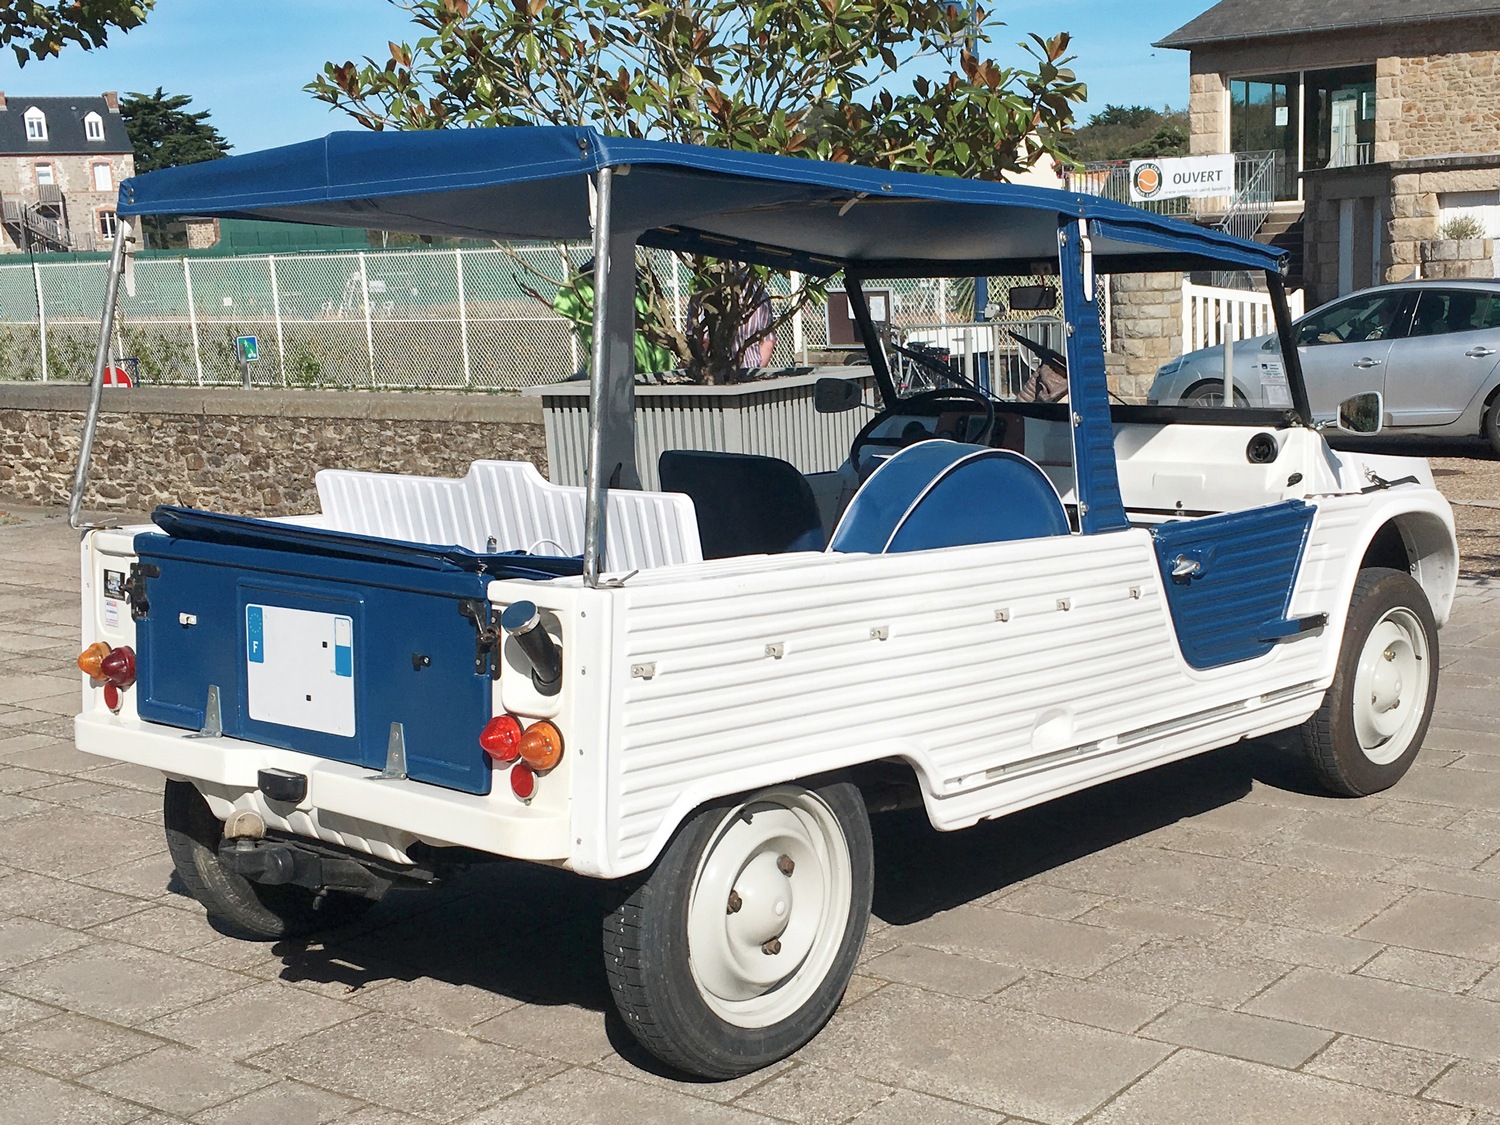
(1481, 352)
(1185, 568)
(1367, 362)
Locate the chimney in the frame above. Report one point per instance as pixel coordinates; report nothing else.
(111, 99)
(3, 106)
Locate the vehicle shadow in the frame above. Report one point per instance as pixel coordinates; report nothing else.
(533, 933)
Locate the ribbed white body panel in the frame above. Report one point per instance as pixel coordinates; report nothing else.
(507, 506)
(1006, 673)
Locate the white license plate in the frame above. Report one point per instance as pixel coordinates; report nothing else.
(299, 668)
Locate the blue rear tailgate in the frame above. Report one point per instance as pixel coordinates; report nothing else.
(367, 632)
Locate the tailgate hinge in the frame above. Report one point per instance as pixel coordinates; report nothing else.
(487, 635)
(135, 587)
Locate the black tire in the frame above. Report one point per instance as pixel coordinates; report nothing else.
(657, 985)
(1360, 745)
(1489, 429)
(252, 909)
(1212, 394)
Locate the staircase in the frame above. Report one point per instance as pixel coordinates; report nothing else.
(1283, 230)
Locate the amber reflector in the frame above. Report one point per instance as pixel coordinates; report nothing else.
(90, 659)
(522, 781)
(501, 738)
(541, 746)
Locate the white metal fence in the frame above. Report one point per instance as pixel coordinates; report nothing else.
(1211, 315)
(451, 319)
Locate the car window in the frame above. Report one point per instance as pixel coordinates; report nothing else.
(1371, 317)
(1440, 311)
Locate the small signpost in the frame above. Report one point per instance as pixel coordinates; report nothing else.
(248, 349)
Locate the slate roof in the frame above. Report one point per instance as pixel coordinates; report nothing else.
(65, 135)
(1231, 20)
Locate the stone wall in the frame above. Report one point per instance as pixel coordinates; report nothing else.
(1146, 325)
(1404, 196)
(1457, 258)
(247, 452)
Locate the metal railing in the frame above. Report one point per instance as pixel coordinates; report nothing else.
(1213, 314)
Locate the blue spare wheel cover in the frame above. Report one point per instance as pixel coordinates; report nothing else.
(948, 494)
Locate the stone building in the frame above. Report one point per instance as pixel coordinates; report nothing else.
(1384, 118)
(61, 163)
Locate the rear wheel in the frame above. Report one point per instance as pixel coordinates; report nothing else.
(1367, 733)
(736, 949)
(254, 909)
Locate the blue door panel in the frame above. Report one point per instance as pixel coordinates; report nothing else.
(1233, 606)
(412, 656)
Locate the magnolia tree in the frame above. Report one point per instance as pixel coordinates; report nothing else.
(33, 29)
(901, 85)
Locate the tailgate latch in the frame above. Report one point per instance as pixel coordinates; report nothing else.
(487, 635)
(135, 587)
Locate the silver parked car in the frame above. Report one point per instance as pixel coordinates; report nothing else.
(1432, 348)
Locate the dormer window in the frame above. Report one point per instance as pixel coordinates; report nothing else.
(93, 127)
(36, 125)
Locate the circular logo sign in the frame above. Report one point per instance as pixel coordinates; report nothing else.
(1147, 180)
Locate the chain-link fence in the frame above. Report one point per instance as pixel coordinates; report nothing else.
(476, 319)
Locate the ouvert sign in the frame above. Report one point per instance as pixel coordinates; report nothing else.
(1176, 177)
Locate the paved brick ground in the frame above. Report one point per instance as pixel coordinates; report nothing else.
(1213, 941)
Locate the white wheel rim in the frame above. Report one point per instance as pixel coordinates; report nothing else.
(1390, 686)
(769, 907)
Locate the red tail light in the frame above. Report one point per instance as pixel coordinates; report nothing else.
(118, 667)
(501, 738)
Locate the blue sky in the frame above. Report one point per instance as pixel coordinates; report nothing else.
(245, 61)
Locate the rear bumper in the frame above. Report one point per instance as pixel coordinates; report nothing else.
(345, 804)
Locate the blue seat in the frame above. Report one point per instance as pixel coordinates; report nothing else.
(948, 494)
(746, 505)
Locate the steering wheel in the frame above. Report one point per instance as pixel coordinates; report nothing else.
(928, 404)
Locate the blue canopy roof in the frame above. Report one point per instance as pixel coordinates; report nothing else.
(533, 183)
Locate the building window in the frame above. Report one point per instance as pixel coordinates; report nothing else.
(45, 176)
(1339, 127)
(36, 125)
(1309, 119)
(102, 179)
(1263, 118)
(107, 224)
(93, 127)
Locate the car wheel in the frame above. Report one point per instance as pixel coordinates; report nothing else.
(737, 947)
(1212, 394)
(1367, 733)
(253, 909)
(1490, 429)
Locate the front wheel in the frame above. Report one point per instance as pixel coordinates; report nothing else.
(1212, 394)
(737, 947)
(1490, 430)
(1367, 733)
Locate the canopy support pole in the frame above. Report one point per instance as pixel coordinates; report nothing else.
(611, 376)
(123, 234)
(1291, 358)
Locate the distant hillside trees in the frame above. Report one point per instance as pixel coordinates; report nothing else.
(1120, 132)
